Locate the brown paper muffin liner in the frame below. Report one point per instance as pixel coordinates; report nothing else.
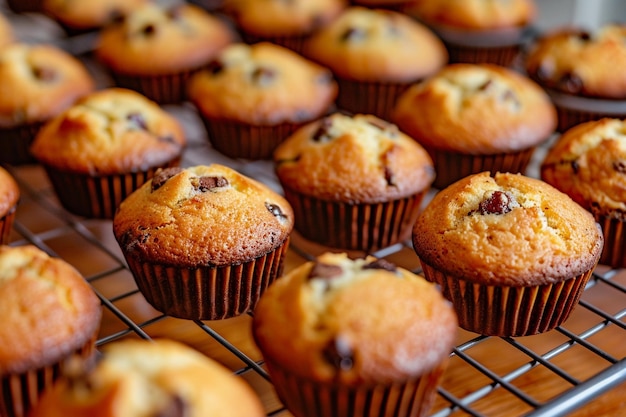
(503, 55)
(20, 392)
(573, 110)
(509, 311)
(365, 227)
(369, 97)
(15, 143)
(614, 251)
(241, 140)
(207, 293)
(97, 197)
(295, 42)
(307, 398)
(451, 166)
(24, 6)
(163, 89)
(6, 222)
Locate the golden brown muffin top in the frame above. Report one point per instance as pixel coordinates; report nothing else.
(588, 163)
(579, 62)
(159, 40)
(81, 14)
(377, 45)
(476, 109)
(48, 310)
(38, 82)
(285, 18)
(110, 131)
(148, 379)
(202, 216)
(474, 14)
(9, 192)
(354, 322)
(356, 159)
(507, 230)
(262, 84)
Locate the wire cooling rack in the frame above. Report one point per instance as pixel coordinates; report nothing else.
(577, 369)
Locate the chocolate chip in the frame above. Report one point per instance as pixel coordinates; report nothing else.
(620, 166)
(162, 175)
(263, 76)
(575, 166)
(215, 67)
(275, 210)
(148, 30)
(45, 74)
(353, 34)
(584, 35)
(570, 83)
(323, 131)
(486, 85)
(498, 202)
(137, 120)
(115, 16)
(326, 271)
(338, 353)
(175, 407)
(381, 264)
(389, 177)
(204, 184)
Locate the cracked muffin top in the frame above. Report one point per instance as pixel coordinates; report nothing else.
(38, 82)
(158, 378)
(476, 109)
(507, 230)
(202, 216)
(330, 320)
(357, 159)
(48, 310)
(580, 62)
(588, 163)
(262, 84)
(9, 192)
(110, 131)
(155, 39)
(377, 45)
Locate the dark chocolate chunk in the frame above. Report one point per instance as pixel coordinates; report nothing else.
(162, 175)
(620, 166)
(148, 30)
(137, 120)
(322, 133)
(381, 264)
(571, 83)
(575, 166)
(263, 76)
(353, 34)
(389, 176)
(175, 407)
(275, 210)
(499, 202)
(215, 67)
(205, 184)
(45, 74)
(116, 17)
(338, 353)
(326, 271)
(486, 85)
(584, 35)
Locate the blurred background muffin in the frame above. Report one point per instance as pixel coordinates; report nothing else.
(584, 71)
(104, 147)
(478, 31)
(37, 82)
(157, 47)
(373, 337)
(251, 97)
(9, 198)
(375, 55)
(355, 182)
(588, 162)
(476, 117)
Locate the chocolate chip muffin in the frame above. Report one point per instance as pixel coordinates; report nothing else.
(49, 315)
(583, 71)
(326, 330)
(160, 378)
(203, 242)
(104, 147)
(355, 182)
(37, 82)
(157, 47)
(9, 199)
(253, 96)
(375, 55)
(512, 253)
(588, 163)
(476, 117)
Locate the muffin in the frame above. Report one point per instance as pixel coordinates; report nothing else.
(588, 163)
(334, 347)
(355, 182)
(104, 147)
(9, 198)
(7, 35)
(37, 338)
(149, 378)
(512, 253)
(253, 96)
(584, 72)
(156, 48)
(476, 117)
(37, 82)
(203, 242)
(285, 23)
(478, 31)
(78, 16)
(375, 56)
